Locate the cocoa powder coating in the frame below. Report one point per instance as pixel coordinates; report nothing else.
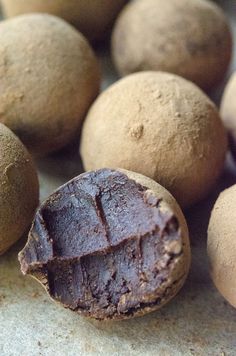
(190, 38)
(221, 244)
(49, 78)
(93, 18)
(19, 189)
(159, 125)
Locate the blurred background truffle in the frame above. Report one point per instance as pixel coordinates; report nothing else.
(94, 18)
(190, 38)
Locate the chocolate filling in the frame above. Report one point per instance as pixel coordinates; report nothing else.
(102, 245)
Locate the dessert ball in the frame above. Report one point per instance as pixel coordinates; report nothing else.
(228, 111)
(49, 78)
(116, 245)
(221, 244)
(92, 18)
(190, 38)
(159, 125)
(19, 191)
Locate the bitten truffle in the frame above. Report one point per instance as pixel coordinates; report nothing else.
(109, 244)
(228, 111)
(221, 244)
(159, 125)
(190, 38)
(19, 189)
(94, 18)
(49, 78)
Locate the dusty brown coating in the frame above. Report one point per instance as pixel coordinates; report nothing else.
(228, 111)
(92, 18)
(221, 244)
(190, 38)
(49, 78)
(159, 125)
(125, 251)
(19, 190)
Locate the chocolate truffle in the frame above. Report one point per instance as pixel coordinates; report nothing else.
(190, 38)
(159, 125)
(19, 190)
(92, 18)
(109, 244)
(49, 78)
(221, 244)
(228, 111)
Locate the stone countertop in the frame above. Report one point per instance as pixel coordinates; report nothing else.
(197, 322)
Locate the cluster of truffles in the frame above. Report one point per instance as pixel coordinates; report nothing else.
(113, 242)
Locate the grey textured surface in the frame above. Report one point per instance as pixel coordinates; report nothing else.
(197, 322)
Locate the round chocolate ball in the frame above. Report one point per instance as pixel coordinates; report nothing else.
(190, 38)
(49, 78)
(221, 244)
(116, 245)
(93, 18)
(159, 125)
(19, 193)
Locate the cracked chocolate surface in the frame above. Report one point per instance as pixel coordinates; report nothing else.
(101, 245)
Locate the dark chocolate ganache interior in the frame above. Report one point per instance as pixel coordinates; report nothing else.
(101, 246)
